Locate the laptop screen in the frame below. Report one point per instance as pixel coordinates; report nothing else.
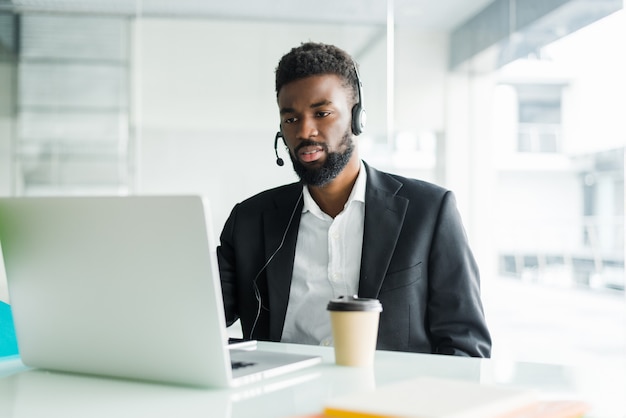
(119, 286)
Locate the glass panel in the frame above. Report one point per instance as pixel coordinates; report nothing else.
(69, 85)
(62, 37)
(72, 124)
(559, 194)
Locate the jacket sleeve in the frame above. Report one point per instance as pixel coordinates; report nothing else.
(456, 319)
(227, 266)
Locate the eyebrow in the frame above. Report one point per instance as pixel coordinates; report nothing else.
(321, 103)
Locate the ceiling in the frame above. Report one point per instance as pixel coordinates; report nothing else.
(439, 15)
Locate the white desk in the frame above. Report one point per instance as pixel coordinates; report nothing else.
(26, 393)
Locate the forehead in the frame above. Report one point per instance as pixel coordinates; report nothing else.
(313, 89)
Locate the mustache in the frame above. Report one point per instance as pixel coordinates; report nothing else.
(310, 143)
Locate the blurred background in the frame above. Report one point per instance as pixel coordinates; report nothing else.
(518, 106)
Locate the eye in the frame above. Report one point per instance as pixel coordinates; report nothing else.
(290, 120)
(322, 114)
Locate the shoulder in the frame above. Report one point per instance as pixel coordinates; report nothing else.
(272, 198)
(404, 186)
(275, 202)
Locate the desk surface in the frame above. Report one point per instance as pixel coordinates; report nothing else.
(26, 393)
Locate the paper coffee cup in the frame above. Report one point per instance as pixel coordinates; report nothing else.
(354, 323)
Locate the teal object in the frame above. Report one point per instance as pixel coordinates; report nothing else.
(8, 342)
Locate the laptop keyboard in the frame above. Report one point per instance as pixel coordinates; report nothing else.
(241, 364)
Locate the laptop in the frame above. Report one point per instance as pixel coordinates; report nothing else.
(124, 287)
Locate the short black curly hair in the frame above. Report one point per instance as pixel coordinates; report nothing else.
(312, 58)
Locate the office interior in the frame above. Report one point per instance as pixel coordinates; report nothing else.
(515, 105)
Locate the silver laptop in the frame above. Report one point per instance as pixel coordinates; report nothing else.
(125, 287)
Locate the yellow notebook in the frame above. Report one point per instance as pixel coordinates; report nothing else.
(444, 398)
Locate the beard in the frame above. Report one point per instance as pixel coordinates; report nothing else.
(334, 164)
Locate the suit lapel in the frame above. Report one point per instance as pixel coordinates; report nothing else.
(384, 216)
(280, 269)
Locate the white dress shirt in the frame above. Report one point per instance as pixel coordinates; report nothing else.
(327, 265)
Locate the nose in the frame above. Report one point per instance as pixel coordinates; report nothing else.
(307, 128)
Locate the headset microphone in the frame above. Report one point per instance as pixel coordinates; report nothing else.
(279, 161)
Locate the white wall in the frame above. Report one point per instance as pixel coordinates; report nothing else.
(421, 67)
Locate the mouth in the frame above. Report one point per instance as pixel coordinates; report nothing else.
(310, 153)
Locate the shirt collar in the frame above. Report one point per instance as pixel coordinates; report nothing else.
(357, 194)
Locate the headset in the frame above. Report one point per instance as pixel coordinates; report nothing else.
(359, 116)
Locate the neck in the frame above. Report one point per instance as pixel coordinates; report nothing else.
(332, 197)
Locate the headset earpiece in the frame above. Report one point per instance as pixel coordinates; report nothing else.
(359, 117)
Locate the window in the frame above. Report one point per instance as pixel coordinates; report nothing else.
(539, 125)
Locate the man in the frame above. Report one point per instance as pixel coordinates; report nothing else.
(347, 229)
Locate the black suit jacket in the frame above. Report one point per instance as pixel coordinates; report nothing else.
(416, 260)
